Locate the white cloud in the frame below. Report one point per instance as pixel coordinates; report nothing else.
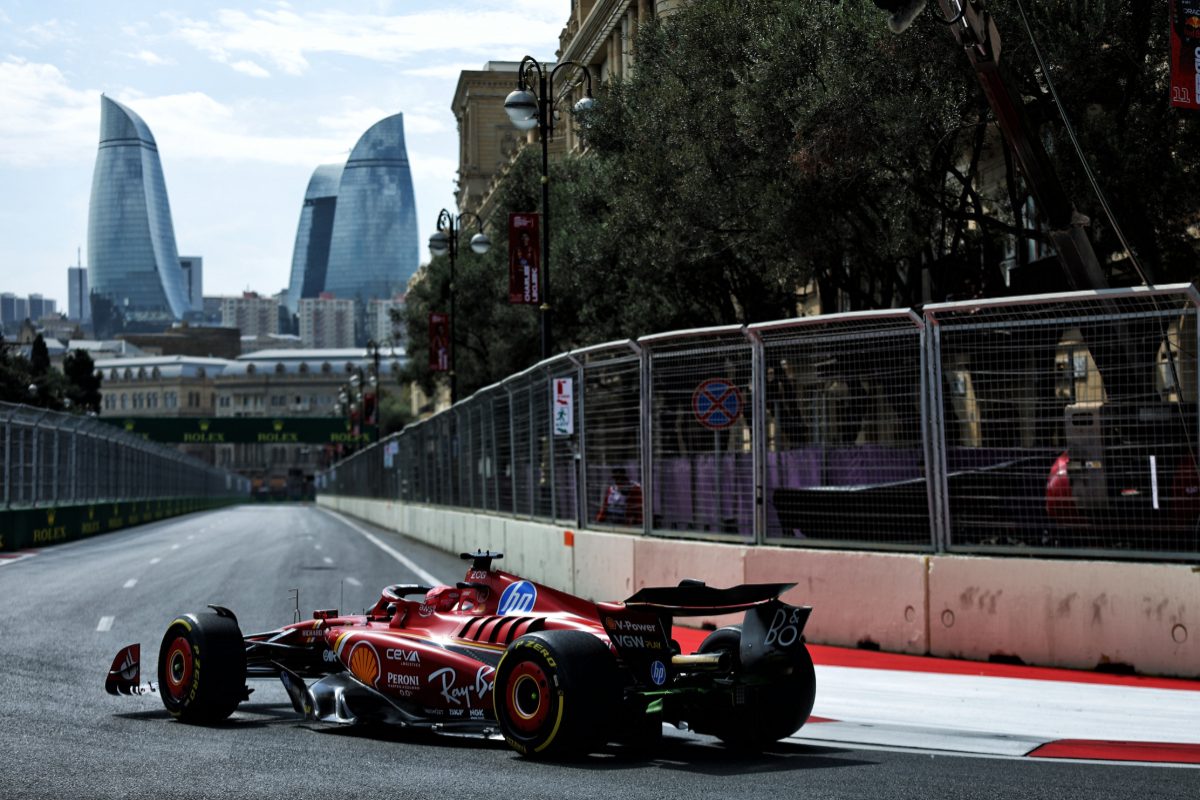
(247, 67)
(47, 33)
(151, 58)
(287, 39)
(445, 71)
(43, 119)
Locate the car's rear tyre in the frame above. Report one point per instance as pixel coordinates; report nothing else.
(556, 694)
(202, 667)
(761, 711)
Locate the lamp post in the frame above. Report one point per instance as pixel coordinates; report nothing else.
(376, 380)
(528, 110)
(445, 242)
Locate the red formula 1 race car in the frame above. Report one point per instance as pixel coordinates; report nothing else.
(555, 674)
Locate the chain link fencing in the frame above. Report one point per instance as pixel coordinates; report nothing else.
(1059, 424)
(49, 458)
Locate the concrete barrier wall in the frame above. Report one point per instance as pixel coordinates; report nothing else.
(1066, 613)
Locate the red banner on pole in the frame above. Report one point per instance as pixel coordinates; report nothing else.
(1185, 54)
(439, 342)
(524, 260)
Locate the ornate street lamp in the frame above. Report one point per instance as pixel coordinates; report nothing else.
(445, 242)
(529, 109)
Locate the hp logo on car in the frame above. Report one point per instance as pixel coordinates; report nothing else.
(658, 673)
(518, 598)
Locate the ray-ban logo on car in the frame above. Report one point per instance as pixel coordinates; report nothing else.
(658, 673)
(518, 598)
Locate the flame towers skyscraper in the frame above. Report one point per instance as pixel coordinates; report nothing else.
(136, 280)
(373, 249)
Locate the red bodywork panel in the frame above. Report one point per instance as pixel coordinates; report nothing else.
(436, 654)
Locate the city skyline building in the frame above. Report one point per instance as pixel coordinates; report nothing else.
(380, 325)
(136, 280)
(373, 250)
(13, 310)
(251, 313)
(78, 307)
(193, 280)
(310, 256)
(327, 322)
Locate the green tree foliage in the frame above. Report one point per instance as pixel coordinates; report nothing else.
(83, 384)
(39, 357)
(761, 145)
(492, 338)
(15, 377)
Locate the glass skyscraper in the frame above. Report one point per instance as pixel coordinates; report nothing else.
(373, 247)
(310, 258)
(136, 280)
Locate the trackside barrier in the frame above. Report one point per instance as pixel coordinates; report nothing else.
(1083, 614)
(1063, 424)
(65, 476)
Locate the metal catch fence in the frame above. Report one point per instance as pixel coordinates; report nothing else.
(1063, 424)
(49, 458)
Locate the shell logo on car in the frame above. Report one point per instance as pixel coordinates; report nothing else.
(364, 663)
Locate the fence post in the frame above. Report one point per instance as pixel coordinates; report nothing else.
(933, 434)
(579, 457)
(8, 429)
(646, 377)
(758, 432)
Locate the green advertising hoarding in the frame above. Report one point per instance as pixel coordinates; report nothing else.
(245, 430)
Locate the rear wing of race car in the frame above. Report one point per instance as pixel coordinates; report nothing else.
(772, 631)
(695, 599)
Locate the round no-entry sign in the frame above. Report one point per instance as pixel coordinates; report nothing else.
(717, 403)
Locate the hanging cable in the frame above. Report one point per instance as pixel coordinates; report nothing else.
(1062, 112)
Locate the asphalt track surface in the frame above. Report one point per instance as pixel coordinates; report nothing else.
(68, 609)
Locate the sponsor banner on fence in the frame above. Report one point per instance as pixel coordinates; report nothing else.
(1185, 54)
(524, 260)
(439, 341)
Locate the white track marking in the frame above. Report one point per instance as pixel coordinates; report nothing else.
(385, 547)
(106, 623)
(992, 715)
(155, 560)
(129, 584)
(327, 560)
(354, 581)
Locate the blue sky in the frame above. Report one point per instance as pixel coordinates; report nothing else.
(245, 99)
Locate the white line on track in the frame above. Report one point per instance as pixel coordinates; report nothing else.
(354, 581)
(129, 584)
(385, 547)
(155, 560)
(106, 624)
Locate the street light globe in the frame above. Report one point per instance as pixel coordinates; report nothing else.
(522, 108)
(480, 244)
(585, 105)
(439, 243)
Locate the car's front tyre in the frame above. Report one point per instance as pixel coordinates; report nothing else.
(202, 667)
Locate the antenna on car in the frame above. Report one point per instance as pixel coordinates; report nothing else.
(481, 559)
(295, 593)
